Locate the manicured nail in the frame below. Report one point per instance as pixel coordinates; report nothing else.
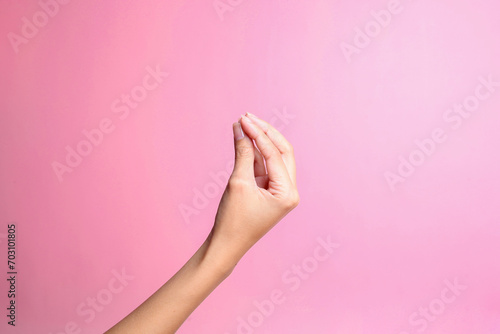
(251, 124)
(245, 116)
(248, 119)
(257, 121)
(238, 131)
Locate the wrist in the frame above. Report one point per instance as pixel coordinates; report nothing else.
(223, 254)
(216, 258)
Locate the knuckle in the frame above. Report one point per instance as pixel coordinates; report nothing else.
(236, 183)
(288, 147)
(269, 151)
(292, 200)
(285, 145)
(244, 151)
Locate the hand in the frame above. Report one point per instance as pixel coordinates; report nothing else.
(257, 197)
(261, 190)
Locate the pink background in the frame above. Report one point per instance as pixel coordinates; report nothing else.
(349, 123)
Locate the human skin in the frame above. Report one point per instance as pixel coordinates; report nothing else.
(261, 190)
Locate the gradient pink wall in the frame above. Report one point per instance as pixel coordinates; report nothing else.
(356, 107)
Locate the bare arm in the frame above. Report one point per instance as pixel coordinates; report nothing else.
(256, 198)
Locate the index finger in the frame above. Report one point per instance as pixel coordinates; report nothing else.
(276, 167)
(285, 148)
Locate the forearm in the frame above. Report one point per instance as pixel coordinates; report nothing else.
(166, 310)
(260, 192)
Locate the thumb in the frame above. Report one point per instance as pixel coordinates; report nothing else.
(243, 154)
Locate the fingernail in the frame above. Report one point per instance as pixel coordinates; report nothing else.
(243, 116)
(257, 121)
(238, 131)
(248, 119)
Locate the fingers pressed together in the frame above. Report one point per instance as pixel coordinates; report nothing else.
(272, 154)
